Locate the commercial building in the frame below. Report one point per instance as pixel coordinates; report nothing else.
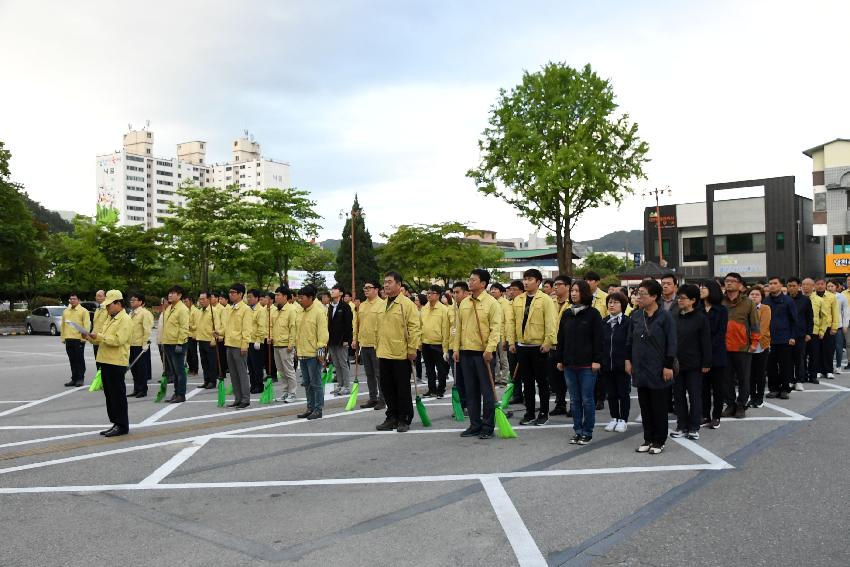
(134, 187)
(831, 215)
(758, 228)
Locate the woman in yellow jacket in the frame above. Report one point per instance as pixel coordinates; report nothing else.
(759, 360)
(113, 354)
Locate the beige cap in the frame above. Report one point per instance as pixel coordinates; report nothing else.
(112, 296)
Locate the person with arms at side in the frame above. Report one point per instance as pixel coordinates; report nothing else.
(819, 329)
(436, 335)
(71, 337)
(616, 328)
(758, 369)
(340, 331)
(652, 351)
(175, 333)
(830, 319)
(802, 332)
(782, 333)
(192, 341)
(99, 318)
(742, 340)
(580, 358)
(515, 289)
(208, 321)
(366, 341)
(283, 335)
(311, 348)
(140, 343)
(713, 382)
(460, 291)
(503, 374)
(237, 334)
(693, 351)
(557, 381)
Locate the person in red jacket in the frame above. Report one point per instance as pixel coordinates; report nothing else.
(742, 339)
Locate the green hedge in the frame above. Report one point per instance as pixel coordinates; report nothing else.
(13, 317)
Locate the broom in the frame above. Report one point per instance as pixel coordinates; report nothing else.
(267, 396)
(509, 391)
(97, 383)
(163, 389)
(503, 426)
(355, 388)
(420, 407)
(457, 407)
(328, 375)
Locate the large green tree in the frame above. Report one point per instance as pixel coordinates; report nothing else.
(427, 252)
(365, 263)
(315, 260)
(556, 147)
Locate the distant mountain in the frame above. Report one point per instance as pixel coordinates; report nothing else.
(53, 220)
(619, 241)
(331, 244)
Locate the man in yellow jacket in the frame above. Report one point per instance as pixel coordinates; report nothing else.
(600, 302)
(192, 341)
(208, 321)
(283, 334)
(399, 334)
(436, 335)
(366, 341)
(830, 323)
(503, 374)
(535, 331)
(140, 343)
(237, 334)
(113, 354)
(99, 318)
(175, 333)
(556, 377)
(311, 346)
(257, 351)
(477, 333)
(73, 340)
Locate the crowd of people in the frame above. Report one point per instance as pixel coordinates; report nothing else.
(706, 352)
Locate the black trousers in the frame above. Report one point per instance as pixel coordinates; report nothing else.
(256, 365)
(458, 376)
(418, 365)
(395, 385)
(813, 358)
(512, 370)
(192, 355)
(209, 366)
(76, 351)
(534, 369)
(780, 368)
(758, 374)
(478, 388)
(141, 370)
(116, 394)
(737, 376)
(653, 411)
(827, 353)
(618, 384)
(687, 390)
(436, 369)
(799, 359)
(713, 392)
(557, 382)
(96, 363)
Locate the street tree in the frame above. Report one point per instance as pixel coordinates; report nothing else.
(556, 147)
(315, 260)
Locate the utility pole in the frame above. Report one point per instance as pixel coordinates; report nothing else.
(657, 193)
(353, 215)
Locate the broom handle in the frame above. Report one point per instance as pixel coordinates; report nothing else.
(269, 345)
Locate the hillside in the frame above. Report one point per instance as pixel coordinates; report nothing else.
(619, 241)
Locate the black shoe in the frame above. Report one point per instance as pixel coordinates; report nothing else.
(429, 394)
(402, 428)
(440, 395)
(379, 406)
(583, 440)
(369, 404)
(317, 414)
(209, 386)
(814, 380)
(388, 425)
(599, 406)
(484, 435)
(204, 385)
(771, 395)
(516, 400)
(142, 395)
(133, 394)
(234, 404)
(105, 431)
(116, 432)
(558, 411)
(70, 383)
(243, 405)
(784, 395)
(78, 384)
(471, 433)
(175, 399)
(304, 414)
(527, 420)
(542, 419)
(575, 439)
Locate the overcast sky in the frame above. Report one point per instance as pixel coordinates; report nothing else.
(388, 99)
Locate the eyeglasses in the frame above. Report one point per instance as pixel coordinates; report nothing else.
(368, 287)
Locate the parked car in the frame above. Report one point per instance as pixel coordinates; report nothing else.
(45, 320)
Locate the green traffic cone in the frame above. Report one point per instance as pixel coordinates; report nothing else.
(97, 383)
(267, 396)
(457, 408)
(163, 388)
(352, 399)
(221, 395)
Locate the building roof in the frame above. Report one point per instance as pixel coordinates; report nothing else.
(810, 151)
(535, 253)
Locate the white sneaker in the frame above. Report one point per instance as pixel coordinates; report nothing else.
(621, 426)
(284, 398)
(291, 397)
(830, 376)
(678, 433)
(611, 425)
(799, 387)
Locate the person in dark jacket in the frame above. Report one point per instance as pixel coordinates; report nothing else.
(651, 349)
(615, 331)
(693, 340)
(580, 358)
(713, 382)
(783, 329)
(340, 331)
(802, 332)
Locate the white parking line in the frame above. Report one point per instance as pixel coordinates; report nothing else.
(166, 469)
(786, 411)
(41, 401)
(703, 453)
(166, 410)
(524, 546)
(54, 438)
(832, 386)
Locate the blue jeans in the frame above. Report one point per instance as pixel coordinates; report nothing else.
(839, 348)
(177, 367)
(581, 383)
(311, 379)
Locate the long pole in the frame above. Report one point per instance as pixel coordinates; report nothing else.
(658, 225)
(353, 216)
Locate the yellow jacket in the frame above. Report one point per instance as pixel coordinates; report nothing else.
(284, 329)
(834, 310)
(599, 302)
(238, 322)
(559, 312)
(78, 315)
(541, 328)
(100, 317)
(142, 323)
(508, 330)
(436, 329)
(829, 315)
(194, 315)
(481, 332)
(114, 340)
(399, 329)
(817, 306)
(175, 324)
(366, 330)
(312, 325)
(208, 320)
(260, 318)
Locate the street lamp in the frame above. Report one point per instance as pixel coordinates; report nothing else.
(657, 193)
(353, 214)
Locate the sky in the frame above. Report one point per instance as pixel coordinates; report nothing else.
(388, 99)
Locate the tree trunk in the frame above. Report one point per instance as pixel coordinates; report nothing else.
(284, 280)
(205, 267)
(568, 251)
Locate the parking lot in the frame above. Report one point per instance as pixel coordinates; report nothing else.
(202, 485)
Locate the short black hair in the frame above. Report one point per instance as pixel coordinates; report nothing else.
(339, 288)
(177, 289)
(238, 288)
(138, 295)
(214, 293)
(562, 278)
(715, 294)
(781, 281)
(517, 284)
(422, 299)
(548, 281)
(619, 298)
(308, 290)
(270, 295)
(672, 276)
(652, 287)
(399, 279)
(189, 297)
(73, 294)
(284, 291)
(794, 279)
(372, 282)
(734, 276)
(585, 295)
(532, 273)
(690, 291)
(482, 274)
(498, 286)
(255, 292)
(591, 275)
(461, 284)
(436, 289)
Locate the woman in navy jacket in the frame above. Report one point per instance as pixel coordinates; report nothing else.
(616, 328)
(579, 357)
(712, 383)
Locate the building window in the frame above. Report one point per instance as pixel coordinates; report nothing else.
(161, 182)
(739, 243)
(780, 241)
(134, 198)
(695, 249)
(228, 168)
(820, 201)
(135, 158)
(840, 244)
(665, 246)
(163, 163)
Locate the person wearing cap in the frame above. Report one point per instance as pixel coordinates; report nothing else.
(237, 333)
(113, 354)
(175, 334)
(142, 323)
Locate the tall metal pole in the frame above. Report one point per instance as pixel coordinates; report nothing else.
(353, 216)
(658, 224)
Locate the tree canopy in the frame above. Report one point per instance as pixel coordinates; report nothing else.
(365, 263)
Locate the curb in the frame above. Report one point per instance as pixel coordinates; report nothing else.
(13, 334)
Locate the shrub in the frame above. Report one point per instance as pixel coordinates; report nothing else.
(41, 301)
